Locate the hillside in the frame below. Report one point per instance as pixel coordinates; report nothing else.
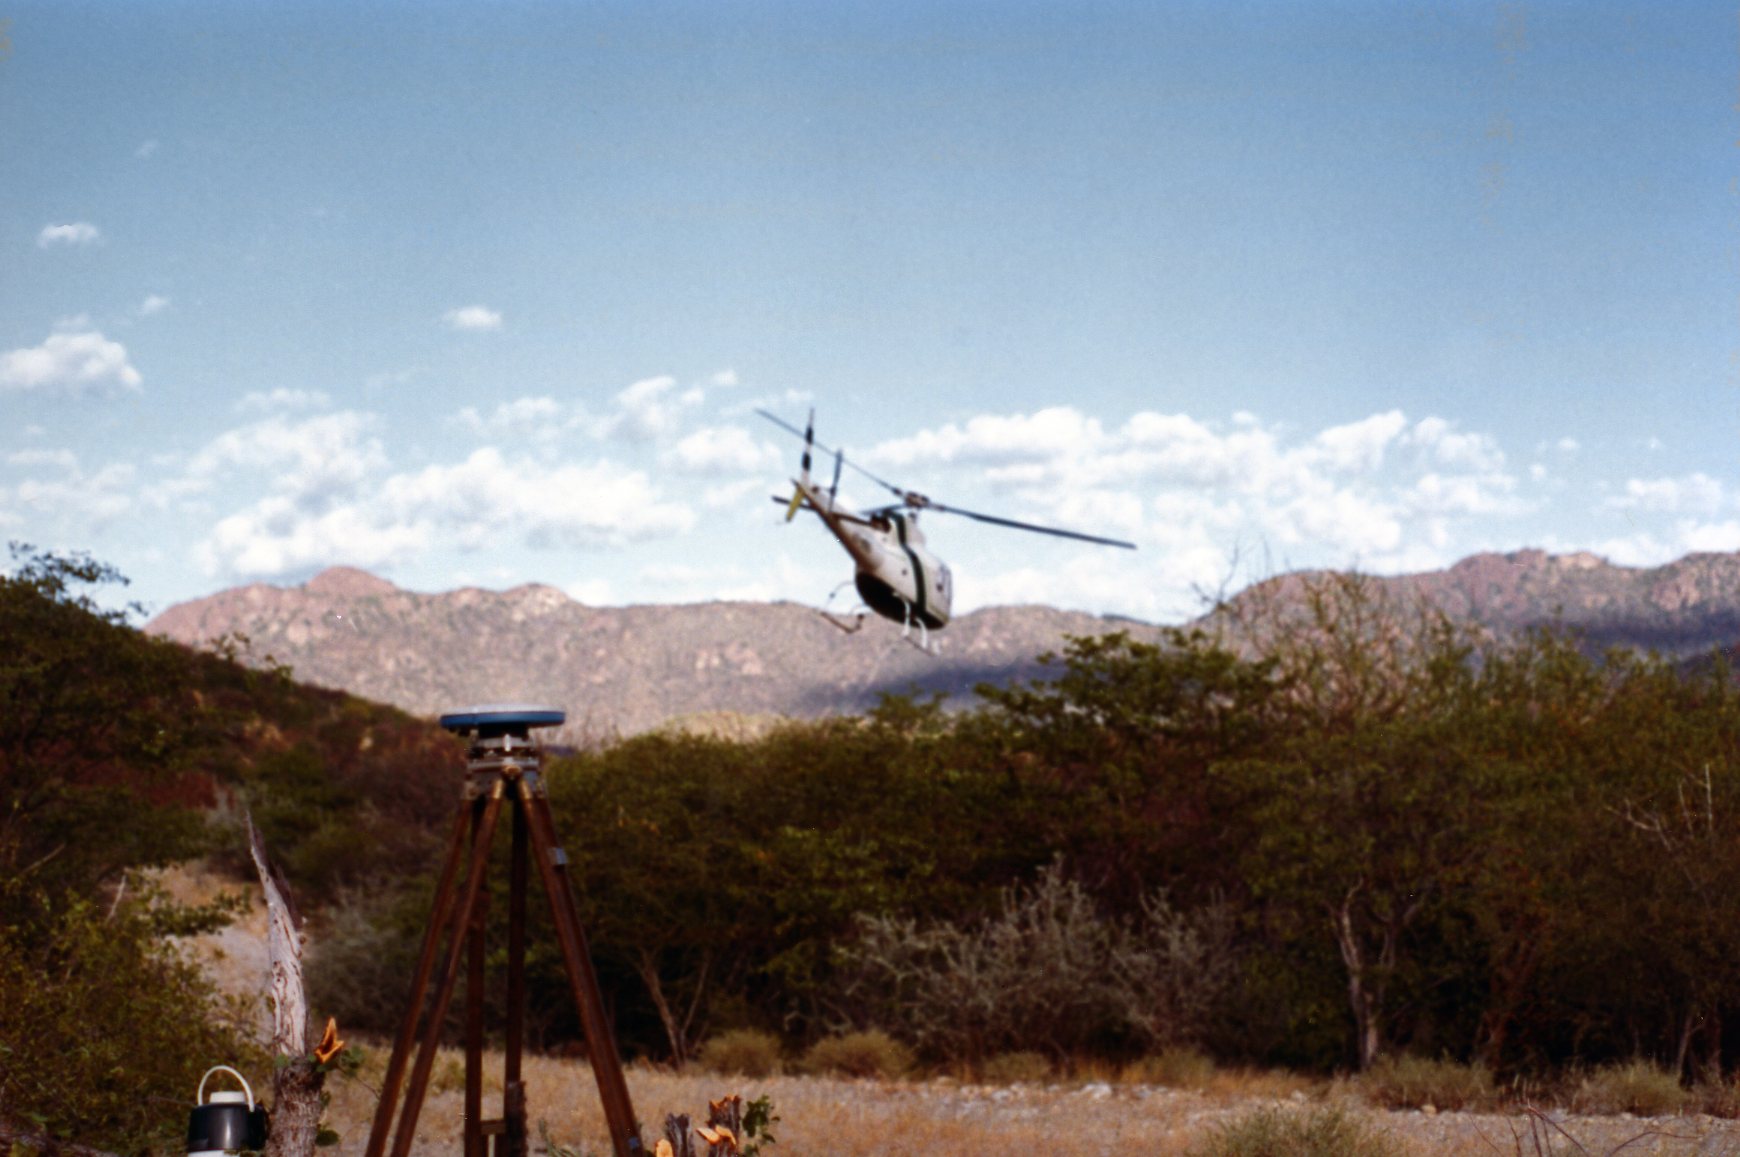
(624, 670)
(616, 670)
(1682, 610)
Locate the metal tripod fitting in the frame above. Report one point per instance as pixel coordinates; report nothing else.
(503, 768)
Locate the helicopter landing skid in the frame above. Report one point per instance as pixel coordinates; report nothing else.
(924, 642)
(851, 625)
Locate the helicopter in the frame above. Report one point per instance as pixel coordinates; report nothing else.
(896, 576)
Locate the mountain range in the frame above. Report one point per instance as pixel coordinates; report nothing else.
(733, 665)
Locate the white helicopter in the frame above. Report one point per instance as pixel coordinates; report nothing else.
(897, 576)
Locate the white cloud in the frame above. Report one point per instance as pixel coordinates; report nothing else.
(1656, 546)
(72, 363)
(652, 409)
(65, 493)
(473, 318)
(77, 233)
(1696, 493)
(283, 399)
(1435, 493)
(275, 538)
(722, 451)
(1371, 492)
(146, 149)
(62, 459)
(153, 304)
(540, 418)
(1449, 447)
(333, 498)
(998, 439)
(1360, 446)
(1711, 536)
(313, 463)
(564, 506)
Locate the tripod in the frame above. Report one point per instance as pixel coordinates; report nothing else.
(502, 770)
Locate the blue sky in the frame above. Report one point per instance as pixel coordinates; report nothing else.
(487, 293)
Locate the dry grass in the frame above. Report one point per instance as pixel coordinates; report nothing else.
(834, 1117)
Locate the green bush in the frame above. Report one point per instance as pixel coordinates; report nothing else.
(859, 1054)
(1325, 1132)
(742, 1052)
(104, 1029)
(1636, 1086)
(1413, 1082)
(1011, 1068)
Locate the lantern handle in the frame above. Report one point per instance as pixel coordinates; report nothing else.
(199, 1097)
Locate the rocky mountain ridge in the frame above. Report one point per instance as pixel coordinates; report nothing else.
(622, 670)
(1682, 610)
(616, 670)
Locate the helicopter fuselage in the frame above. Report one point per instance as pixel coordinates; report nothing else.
(897, 576)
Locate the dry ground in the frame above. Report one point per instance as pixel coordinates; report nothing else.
(826, 1117)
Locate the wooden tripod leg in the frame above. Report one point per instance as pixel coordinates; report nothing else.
(445, 898)
(513, 1111)
(407, 1129)
(582, 978)
(475, 953)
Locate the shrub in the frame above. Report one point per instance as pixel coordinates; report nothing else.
(1414, 1082)
(743, 1052)
(1717, 1098)
(1325, 1132)
(1047, 973)
(1010, 1068)
(361, 958)
(859, 1054)
(1636, 1086)
(1176, 1068)
(104, 1028)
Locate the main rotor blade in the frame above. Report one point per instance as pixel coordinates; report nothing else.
(810, 440)
(913, 500)
(1034, 527)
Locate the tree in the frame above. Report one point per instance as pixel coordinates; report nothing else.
(98, 728)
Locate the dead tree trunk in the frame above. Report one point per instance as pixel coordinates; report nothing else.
(296, 1080)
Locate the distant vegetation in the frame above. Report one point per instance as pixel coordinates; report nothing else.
(1375, 836)
(120, 753)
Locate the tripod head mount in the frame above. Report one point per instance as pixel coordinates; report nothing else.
(500, 735)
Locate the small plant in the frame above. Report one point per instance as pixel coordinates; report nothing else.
(1635, 1086)
(1175, 1068)
(1012, 1068)
(733, 1129)
(859, 1054)
(743, 1052)
(1327, 1132)
(1717, 1098)
(448, 1075)
(1415, 1082)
